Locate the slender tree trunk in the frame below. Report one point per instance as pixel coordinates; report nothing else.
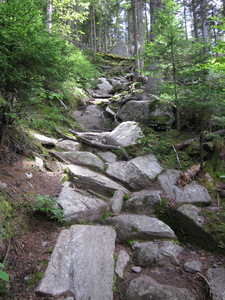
(137, 6)
(154, 82)
(49, 16)
(195, 20)
(205, 31)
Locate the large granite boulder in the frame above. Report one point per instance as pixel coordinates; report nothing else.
(194, 220)
(192, 193)
(139, 226)
(153, 113)
(82, 263)
(78, 207)
(145, 287)
(136, 173)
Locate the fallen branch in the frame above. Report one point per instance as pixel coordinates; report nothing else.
(174, 149)
(206, 280)
(59, 157)
(65, 135)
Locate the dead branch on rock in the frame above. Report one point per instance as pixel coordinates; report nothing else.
(65, 135)
(187, 176)
(58, 156)
(88, 140)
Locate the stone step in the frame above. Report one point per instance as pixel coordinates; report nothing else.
(82, 263)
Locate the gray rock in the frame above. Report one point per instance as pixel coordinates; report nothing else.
(143, 202)
(117, 201)
(82, 263)
(120, 86)
(78, 207)
(84, 158)
(154, 254)
(122, 49)
(125, 134)
(192, 212)
(153, 113)
(123, 259)
(44, 140)
(136, 269)
(98, 183)
(104, 85)
(107, 156)
(191, 193)
(139, 226)
(136, 173)
(216, 278)
(191, 219)
(91, 118)
(68, 145)
(145, 287)
(193, 266)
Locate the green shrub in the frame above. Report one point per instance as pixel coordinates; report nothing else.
(48, 206)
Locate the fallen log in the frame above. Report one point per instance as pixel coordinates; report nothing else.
(187, 176)
(208, 137)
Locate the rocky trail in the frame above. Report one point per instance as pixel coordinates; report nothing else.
(113, 244)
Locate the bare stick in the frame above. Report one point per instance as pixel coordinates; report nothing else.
(177, 156)
(206, 280)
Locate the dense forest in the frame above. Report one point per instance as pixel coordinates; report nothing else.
(48, 49)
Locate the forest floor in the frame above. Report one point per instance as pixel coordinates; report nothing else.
(27, 253)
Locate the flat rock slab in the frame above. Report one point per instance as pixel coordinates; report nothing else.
(145, 287)
(78, 207)
(138, 226)
(82, 263)
(136, 173)
(98, 183)
(84, 158)
(191, 193)
(216, 278)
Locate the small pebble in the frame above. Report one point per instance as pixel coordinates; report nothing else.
(136, 269)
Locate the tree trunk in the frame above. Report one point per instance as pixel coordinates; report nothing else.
(138, 34)
(49, 16)
(154, 82)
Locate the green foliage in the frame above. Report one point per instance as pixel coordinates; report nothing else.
(3, 275)
(33, 61)
(48, 206)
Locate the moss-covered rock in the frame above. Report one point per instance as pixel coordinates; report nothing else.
(155, 113)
